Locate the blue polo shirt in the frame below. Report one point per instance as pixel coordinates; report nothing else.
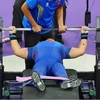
(43, 12)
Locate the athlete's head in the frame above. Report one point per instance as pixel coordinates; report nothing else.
(50, 40)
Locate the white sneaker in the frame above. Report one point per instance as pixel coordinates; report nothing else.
(38, 81)
(71, 84)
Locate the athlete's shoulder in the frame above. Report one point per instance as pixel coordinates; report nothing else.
(56, 42)
(41, 43)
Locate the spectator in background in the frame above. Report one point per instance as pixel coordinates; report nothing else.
(17, 17)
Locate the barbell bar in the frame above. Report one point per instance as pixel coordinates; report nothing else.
(55, 29)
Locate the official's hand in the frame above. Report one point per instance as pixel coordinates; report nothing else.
(37, 28)
(12, 29)
(62, 29)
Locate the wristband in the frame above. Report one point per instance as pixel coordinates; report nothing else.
(13, 36)
(84, 36)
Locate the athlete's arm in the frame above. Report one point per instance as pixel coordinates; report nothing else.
(76, 52)
(18, 51)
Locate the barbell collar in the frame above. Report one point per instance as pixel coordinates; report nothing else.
(53, 29)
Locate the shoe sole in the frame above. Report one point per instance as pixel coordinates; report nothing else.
(72, 84)
(37, 80)
(76, 83)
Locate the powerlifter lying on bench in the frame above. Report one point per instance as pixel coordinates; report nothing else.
(48, 56)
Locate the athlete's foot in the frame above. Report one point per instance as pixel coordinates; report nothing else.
(38, 81)
(71, 84)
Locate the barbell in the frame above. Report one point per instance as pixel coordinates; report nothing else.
(97, 28)
(54, 29)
